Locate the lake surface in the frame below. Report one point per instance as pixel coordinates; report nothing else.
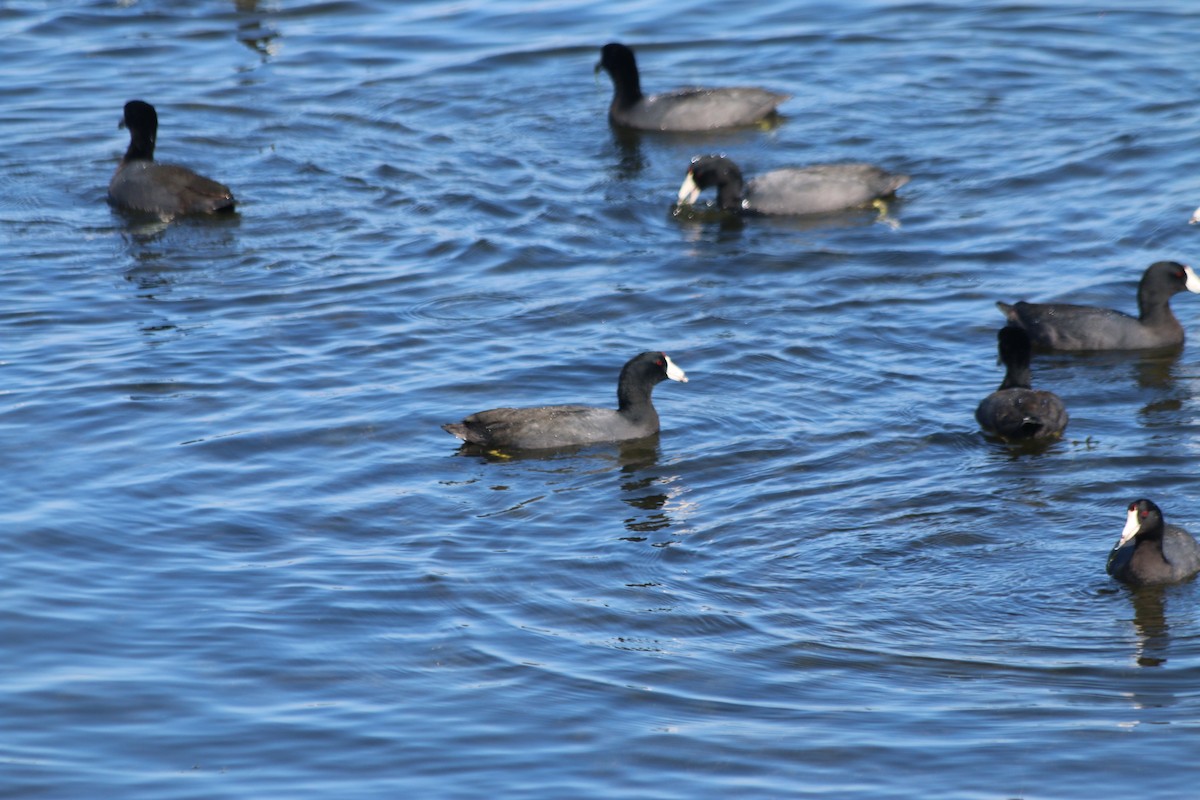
(241, 559)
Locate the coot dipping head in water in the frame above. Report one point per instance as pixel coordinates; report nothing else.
(816, 189)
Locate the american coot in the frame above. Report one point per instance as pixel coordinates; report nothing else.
(1150, 551)
(681, 110)
(1059, 326)
(564, 426)
(801, 190)
(143, 184)
(1015, 410)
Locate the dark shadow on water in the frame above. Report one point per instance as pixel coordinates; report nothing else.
(1150, 622)
(639, 483)
(631, 160)
(1149, 693)
(1150, 369)
(699, 217)
(1015, 450)
(638, 454)
(649, 516)
(1156, 370)
(161, 253)
(140, 227)
(174, 255)
(252, 30)
(641, 490)
(632, 454)
(1153, 370)
(696, 221)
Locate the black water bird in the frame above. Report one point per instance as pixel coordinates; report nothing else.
(569, 425)
(1061, 326)
(143, 184)
(816, 189)
(1150, 551)
(683, 109)
(1016, 411)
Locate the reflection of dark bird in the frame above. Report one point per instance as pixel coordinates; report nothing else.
(564, 426)
(683, 109)
(1061, 326)
(143, 184)
(1150, 551)
(1150, 621)
(1016, 410)
(815, 189)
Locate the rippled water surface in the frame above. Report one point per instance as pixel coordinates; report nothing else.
(241, 559)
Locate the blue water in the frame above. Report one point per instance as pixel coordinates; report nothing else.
(241, 559)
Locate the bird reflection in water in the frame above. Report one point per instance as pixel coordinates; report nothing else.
(642, 487)
(648, 491)
(253, 30)
(1150, 623)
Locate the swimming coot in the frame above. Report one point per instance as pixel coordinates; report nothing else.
(565, 426)
(1016, 410)
(1060, 326)
(143, 184)
(1150, 551)
(816, 189)
(681, 110)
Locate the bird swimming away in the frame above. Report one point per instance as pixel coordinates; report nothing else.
(143, 184)
(816, 189)
(570, 425)
(1016, 411)
(1151, 551)
(693, 109)
(1062, 326)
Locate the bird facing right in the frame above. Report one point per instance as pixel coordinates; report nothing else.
(683, 109)
(1061, 326)
(546, 427)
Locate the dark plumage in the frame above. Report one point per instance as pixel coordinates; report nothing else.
(683, 109)
(1150, 551)
(565, 426)
(816, 189)
(1059, 326)
(143, 184)
(1016, 410)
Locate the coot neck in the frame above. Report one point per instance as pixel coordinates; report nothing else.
(633, 394)
(627, 85)
(141, 146)
(1017, 376)
(729, 193)
(1154, 306)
